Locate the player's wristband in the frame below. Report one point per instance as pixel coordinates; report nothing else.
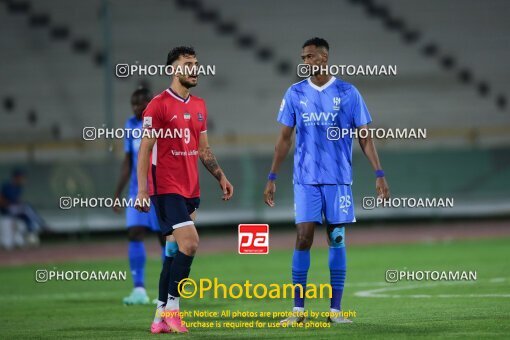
(271, 176)
(379, 173)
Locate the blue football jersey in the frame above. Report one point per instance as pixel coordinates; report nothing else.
(321, 115)
(131, 145)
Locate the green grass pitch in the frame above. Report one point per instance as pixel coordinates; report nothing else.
(480, 309)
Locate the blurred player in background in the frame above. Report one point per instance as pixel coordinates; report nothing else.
(172, 170)
(15, 210)
(322, 168)
(138, 223)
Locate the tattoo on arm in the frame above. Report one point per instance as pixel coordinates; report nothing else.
(211, 164)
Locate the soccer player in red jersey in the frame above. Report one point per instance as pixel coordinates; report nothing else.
(168, 174)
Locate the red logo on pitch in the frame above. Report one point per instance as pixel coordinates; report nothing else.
(253, 238)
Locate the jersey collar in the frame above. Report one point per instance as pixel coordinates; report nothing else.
(176, 96)
(323, 87)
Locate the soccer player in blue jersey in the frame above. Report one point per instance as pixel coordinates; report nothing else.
(138, 223)
(320, 108)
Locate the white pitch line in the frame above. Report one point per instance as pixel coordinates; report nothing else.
(381, 292)
(365, 284)
(375, 293)
(58, 296)
(472, 295)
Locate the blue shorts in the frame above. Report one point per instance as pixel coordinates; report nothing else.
(312, 201)
(135, 218)
(174, 211)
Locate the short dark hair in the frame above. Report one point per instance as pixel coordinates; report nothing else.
(143, 92)
(319, 42)
(176, 52)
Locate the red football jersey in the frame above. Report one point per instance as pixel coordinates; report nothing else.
(177, 123)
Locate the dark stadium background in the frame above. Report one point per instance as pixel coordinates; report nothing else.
(58, 77)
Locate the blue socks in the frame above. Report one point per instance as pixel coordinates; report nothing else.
(337, 270)
(136, 254)
(300, 266)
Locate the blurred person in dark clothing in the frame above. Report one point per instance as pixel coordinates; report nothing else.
(14, 209)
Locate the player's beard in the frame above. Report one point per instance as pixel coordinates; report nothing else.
(187, 84)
